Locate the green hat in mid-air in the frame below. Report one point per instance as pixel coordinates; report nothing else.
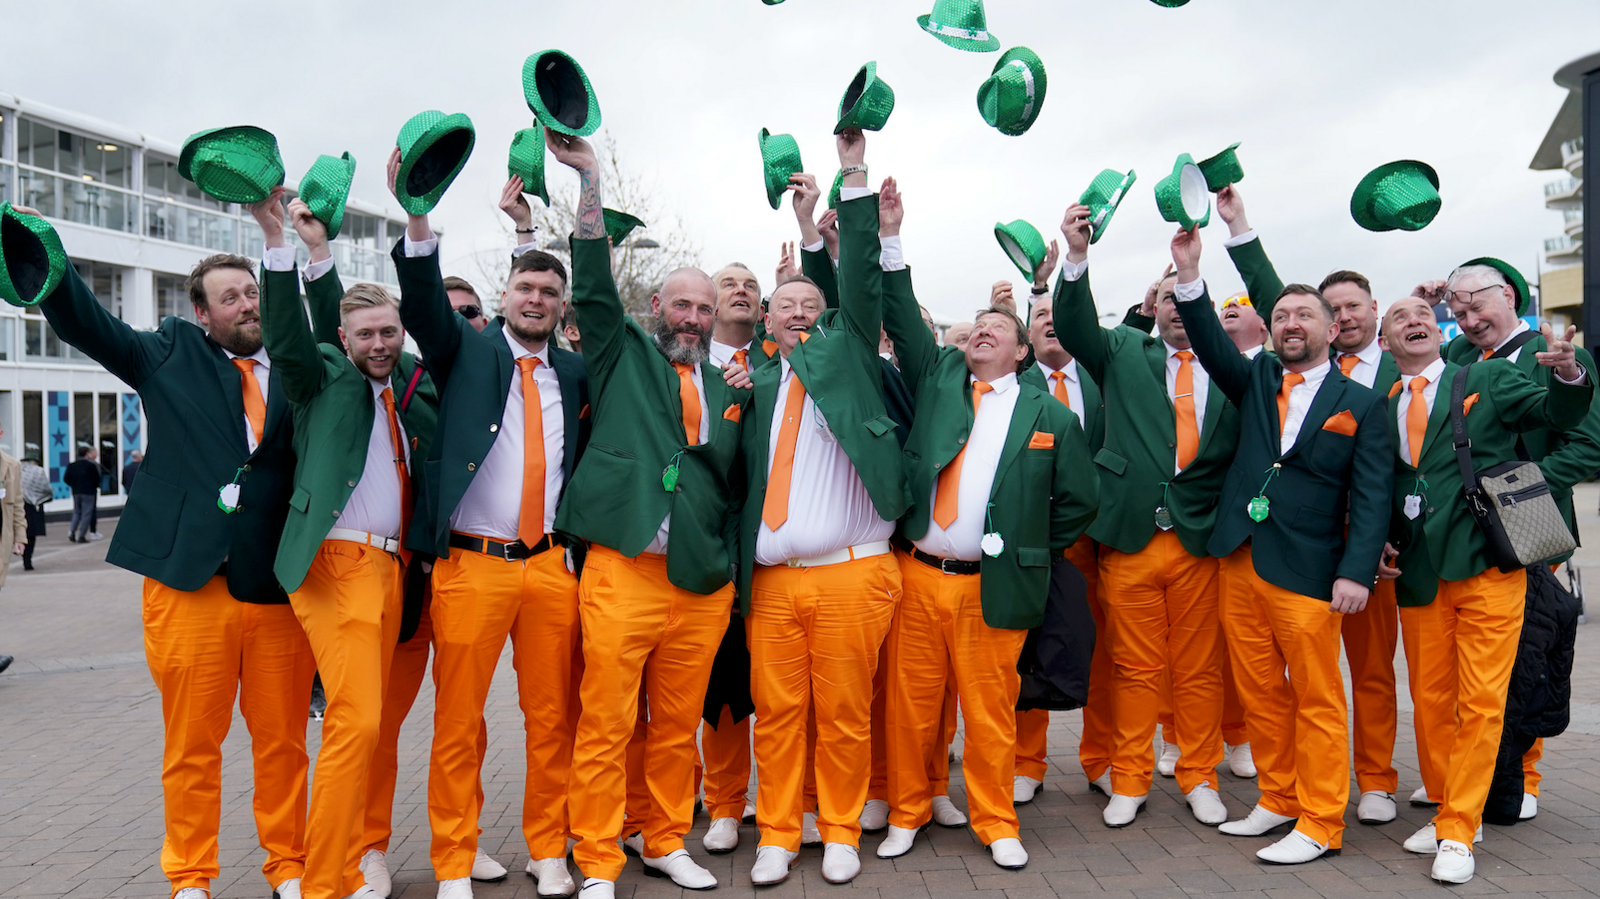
(838, 185)
(433, 148)
(960, 24)
(1519, 284)
(235, 164)
(619, 225)
(559, 93)
(1182, 196)
(1013, 94)
(1103, 195)
(1401, 195)
(326, 188)
(1222, 169)
(867, 102)
(32, 261)
(780, 158)
(527, 162)
(1023, 244)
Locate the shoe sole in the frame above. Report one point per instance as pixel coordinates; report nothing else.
(490, 879)
(572, 892)
(1029, 801)
(653, 872)
(732, 848)
(1423, 803)
(844, 880)
(1326, 854)
(1290, 824)
(951, 826)
(1374, 822)
(1466, 879)
(1126, 823)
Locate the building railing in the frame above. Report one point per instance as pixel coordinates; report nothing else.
(1562, 187)
(75, 200)
(1570, 148)
(187, 225)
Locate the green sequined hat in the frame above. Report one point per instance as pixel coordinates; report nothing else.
(559, 93)
(1170, 4)
(1022, 244)
(1519, 284)
(1222, 169)
(527, 162)
(961, 24)
(1010, 99)
(838, 185)
(866, 103)
(1401, 195)
(234, 164)
(619, 225)
(1103, 195)
(1182, 196)
(326, 188)
(32, 261)
(433, 148)
(780, 158)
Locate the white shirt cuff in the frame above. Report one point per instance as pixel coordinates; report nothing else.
(315, 270)
(891, 255)
(815, 247)
(1073, 272)
(1582, 373)
(427, 247)
(278, 259)
(525, 247)
(1191, 290)
(854, 193)
(1241, 240)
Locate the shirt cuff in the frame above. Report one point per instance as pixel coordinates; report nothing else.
(891, 255)
(278, 259)
(1583, 373)
(1071, 271)
(815, 247)
(427, 247)
(1241, 240)
(315, 270)
(1191, 291)
(854, 193)
(525, 247)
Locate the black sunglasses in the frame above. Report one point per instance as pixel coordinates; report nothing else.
(469, 311)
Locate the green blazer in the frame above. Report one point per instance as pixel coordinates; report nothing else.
(1307, 540)
(1135, 464)
(1443, 542)
(616, 497)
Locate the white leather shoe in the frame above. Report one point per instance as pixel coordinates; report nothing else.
(595, 888)
(945, 813)
(809, 834)
(458, 888)
(874, 815)
(1207, 805)
(633, 845)
(1167, 765)
(1121, 810)
(1101, 784)
(289, 889)
(749, 812)
(1007, 852)
(486, 869)
(551, 876)
(366, 892)
(1454, 863)
(1294, 849)
(1240, 760)
(1419, 798)
(683, 870)
(1426, 840)
(193, 893)
(1530, 807)
(1024, 788)
(1255, 824)
(772, 865)
(722, 835)
(376, 872)
(1375, 807)
(841, 862)
(898, 842)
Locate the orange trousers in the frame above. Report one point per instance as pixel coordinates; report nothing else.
(639, 628)
(1033, 743)
(1299, 732)
(940, 625)
(349, 606)
(1161, 607)
(1094, 743)
(479, 601)
(815, 634)
(725, 750)
(1370, 636)
(1530, 771)
(1233, 730)
(1460, 649)
(204, 648)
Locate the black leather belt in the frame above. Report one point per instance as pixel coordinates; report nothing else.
(511, 552)
(948, 566)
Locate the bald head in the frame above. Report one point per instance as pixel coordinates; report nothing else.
(684, 308)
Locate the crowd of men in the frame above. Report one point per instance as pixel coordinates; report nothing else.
(803, 511)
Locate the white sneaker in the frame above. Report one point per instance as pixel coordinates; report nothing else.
(595, 888)
(683, 870)
(1167, 765)
(1024, 788)
(945, 813)
(1008, 853)
(1420, 798)
(366, 892)
(1375, 807)
(1426, 840)
(1294, 849)
(289, 889)
(749, 812)
(841, 862)
(633, 845)
(1207, 805)
(898, 842)
(376, 872)
(1255, 824)
(1101, 784)
(1121, 810)
(874, 815)
(486, 869)
(809, 834)
(722, 835)
(1454, 863)
(1240, 760)
(458, 888)
(1530, 807)
(551, 876)
(193, 893)
(772, 865)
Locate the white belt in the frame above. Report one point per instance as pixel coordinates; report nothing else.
(387, 544)
(848, 554)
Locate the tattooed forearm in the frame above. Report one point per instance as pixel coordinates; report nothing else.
(591, 220)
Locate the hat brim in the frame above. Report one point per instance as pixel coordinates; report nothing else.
(1103, 208)
(619, 225)
(432, 162)
(867, 103)
(1183, 192)
(984, 45)
(526, 161)
(1222, 169)
(780, 158)
(1023, 245)
(32, 260)
(1367, 189)
(558, 91)
(1036, 74)
(1519, 284)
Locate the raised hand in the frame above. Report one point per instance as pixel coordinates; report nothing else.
(269, 215)
(1000, 295)
(787, 266)
(891, 211)
(1186, 255)
(313, 233)
(1559, 353)
(1434, 291)
(806, 193)
(1151, 296)
(1231, 207)
(417, 227)
(1076, 229)
(576, 154)
(736, 377)
(1041, 275)
(852, 144)
(515, 205)
(828, 229)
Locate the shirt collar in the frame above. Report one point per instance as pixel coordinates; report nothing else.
(1433, 372)
(1253, 351)
(999, 385)
(727, 348)
(259, 357)
(1172, 350)
(1313, 378)
(1371, 353)
(378, 387)
(1521, 326)
(1070, 370)
(518, 351)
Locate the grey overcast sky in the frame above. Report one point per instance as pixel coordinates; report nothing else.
(1318, 92)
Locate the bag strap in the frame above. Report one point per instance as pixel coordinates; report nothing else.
(416, 378)
(1511, 346)
(1458, 431)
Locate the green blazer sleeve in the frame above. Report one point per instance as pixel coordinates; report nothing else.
(860, 298)
(1228, 368)
(1137, 320)
(80, 320)
(914, 345)
(819, 268)
(1078, 326)
(323, 295)
(1577, 458)
(1261, 280)
(425, 310)
(600, 318)
(288, 339)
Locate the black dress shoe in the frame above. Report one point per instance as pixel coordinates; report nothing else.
(5, 662)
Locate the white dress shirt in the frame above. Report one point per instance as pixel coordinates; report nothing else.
(1433, 373)
(1253, 351)
(1241, 240)
(829, 507)
(1300, 398)
(722, 353)
(374, 504)
(659, 545)
(984, 446)
(1521, 326)
(1073, 382)
(1365, 371)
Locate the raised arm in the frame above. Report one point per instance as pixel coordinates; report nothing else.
(860, 271)
(1077, 323)
(1221, 359)
(284, 331)
(1261, 280)
(424, 306)
(324, 290)
(914, 344)
(1566, 406)
(814, 263)
(601, 317)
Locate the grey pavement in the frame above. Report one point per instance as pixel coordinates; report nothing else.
(80, 799)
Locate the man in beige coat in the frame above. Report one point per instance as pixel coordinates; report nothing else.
(13, 525)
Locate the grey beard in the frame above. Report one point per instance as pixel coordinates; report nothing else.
(675, 350)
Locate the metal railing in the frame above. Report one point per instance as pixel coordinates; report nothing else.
(1562, 187)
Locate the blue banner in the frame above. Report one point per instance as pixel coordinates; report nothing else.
(130, 426)
(58, 425)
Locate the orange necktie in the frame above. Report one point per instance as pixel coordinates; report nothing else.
(1290, 379)
(1486, 355)
(690, 398)
(398, 441)
(947, 498)
(1183, 404)
(775, 511)
(255, 408)
(530, 524)
(1347, 363)
(743, 358)
(1417, 419)
(1060, 378)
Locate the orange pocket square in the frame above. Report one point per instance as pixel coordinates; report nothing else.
(733, 412)
(1343, 423)
(1042, 440)
(1466, 404)
(584, 412)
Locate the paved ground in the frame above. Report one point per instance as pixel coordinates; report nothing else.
(80, 804)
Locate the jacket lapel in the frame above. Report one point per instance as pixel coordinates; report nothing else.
(1327, 397)
(1439, 418)
(1214, 403)
(1388, 373)
(765, 383)
(233, 391)
(716, 398)
(1023, 416)
(1090, 413)
(1155, 353)
(567, 375)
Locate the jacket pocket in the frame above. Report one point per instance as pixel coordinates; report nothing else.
(1033, 557)
(159, 508)
(300, 500)
(1111, 461)
(880, 426)
(620, 453)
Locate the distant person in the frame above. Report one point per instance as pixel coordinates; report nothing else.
(958, 335)
(83, 476)
(131, 469)
(1244, 325)
(36, 491)
(464, 300)
(12, 524)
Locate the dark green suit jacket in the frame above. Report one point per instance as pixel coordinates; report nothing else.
(1302, 545)
(1444, 542)
(171, 528)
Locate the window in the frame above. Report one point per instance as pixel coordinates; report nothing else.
(8, 338)
(33, 423)
(105, 280)
(172, 298)
(176, 210)
(89, 180)
(41, 343)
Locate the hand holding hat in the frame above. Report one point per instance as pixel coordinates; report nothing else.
(515, 205)
(1231, 207)
(1023, 244)
(326, 189)
(32, 260)
(1186, 254)
(312, 232)
(1077, 228)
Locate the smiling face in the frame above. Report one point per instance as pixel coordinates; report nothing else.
(1411, 334)
(1489, 316)
(532, 304)
(372, 337)
(232, 311)
(792, 310)
(995, 347)
(1301, 330)
(1042, 336)
(1356, 314)
(738, 296)
(684, 310)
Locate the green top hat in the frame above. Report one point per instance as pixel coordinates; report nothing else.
(527, 162)
(1012, 96)
(772, 2)
(866, 103)
(32, 261)
(619, 225)
(1103, 195)
(1022, 243)
(961, 24)
(235, 164)
(558, 92)
(1400, 195)
(780, 158)
(1518, 283)
(433, 148)
(838, 185)
(326, 188)
(1182, 196)
(1222, 169)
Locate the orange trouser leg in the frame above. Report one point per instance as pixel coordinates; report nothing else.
(815, 634)
(548, 658)
(275, 677)
(1370, 636)
(1233, 729)
(1032, 743)
(636, 805)
(1164, 709)
(878, 786)
(406, 670)
(349, 606)
(638, 627)
(939, 758)
(1161, 604)
(1472, 626)
(1530, 771)
(1258, 674)
(1434, 721)
(726, 749)
(1094, 746)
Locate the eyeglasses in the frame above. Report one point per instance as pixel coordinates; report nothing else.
(469, 311)
(1237, 301)
(1464, 297)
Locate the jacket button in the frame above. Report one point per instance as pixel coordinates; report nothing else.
(472, 466)
(335, 513)
(493, 428)
(350, 483)
(962, 441)
(1172, 446)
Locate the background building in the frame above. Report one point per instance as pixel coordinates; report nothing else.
(1561, 283)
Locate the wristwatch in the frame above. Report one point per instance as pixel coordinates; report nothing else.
(1038, 291)
(852, 170)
